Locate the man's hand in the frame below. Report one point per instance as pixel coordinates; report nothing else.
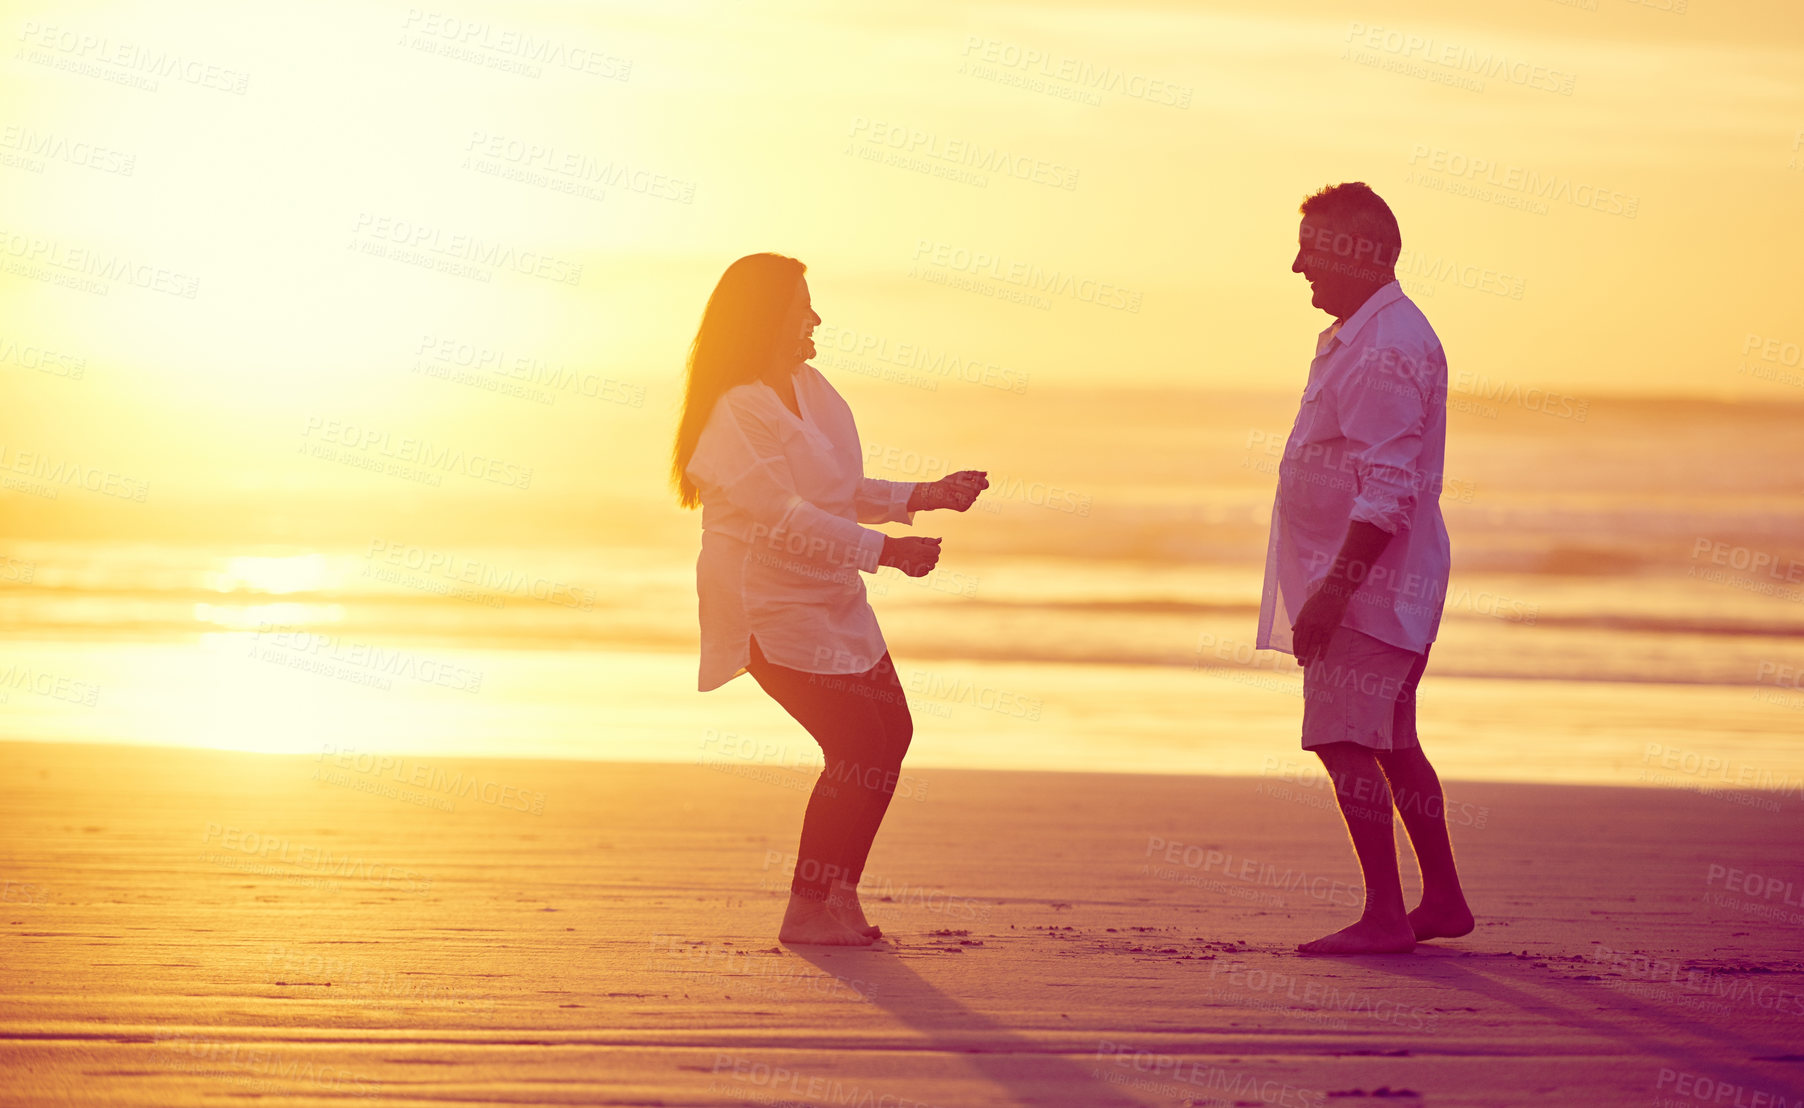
(1316, 624)
(911, 554)
(957, 491)
(1323, 611)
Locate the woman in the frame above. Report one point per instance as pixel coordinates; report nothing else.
(769, 451)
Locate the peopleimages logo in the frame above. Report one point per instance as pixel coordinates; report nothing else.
(1003, 486)
(1523, 180)
(1169, 1073)
(1024, 274)
(958, 690)
(454, 785)
(931, 362)
(481, 255)
(29, 355)
(431, 457)
(989, 58)
(1459, 58)
(1700, 1088)
(96, 270)
(479, 576)
(43, 472)
(520, 51)
(123, 61)
(913, 142)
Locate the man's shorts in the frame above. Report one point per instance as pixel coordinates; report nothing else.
(1362, 691)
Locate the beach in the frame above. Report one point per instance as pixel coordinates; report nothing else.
(189, 927)
(356, 364)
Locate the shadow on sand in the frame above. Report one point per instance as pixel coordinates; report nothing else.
(1690, 1044)
(1027, 1070)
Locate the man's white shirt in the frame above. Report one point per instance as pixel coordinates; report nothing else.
(1369, 443)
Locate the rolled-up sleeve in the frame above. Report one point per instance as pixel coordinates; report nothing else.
(742, 458)
(884, 501)
(1383, 414)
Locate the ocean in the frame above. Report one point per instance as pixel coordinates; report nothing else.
(1627, 603)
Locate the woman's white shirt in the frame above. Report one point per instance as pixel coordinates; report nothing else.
(783, 498)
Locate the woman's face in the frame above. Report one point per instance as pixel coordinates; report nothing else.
(795, 339)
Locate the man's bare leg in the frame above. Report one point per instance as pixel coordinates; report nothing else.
(1365, 803)
(1443, 913)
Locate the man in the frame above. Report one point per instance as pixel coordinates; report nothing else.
(1356, 569)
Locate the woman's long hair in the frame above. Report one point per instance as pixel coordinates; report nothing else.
(735, 344)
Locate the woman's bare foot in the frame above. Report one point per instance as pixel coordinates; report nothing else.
(1369, 936)
(843, 903)
(810, 921)
(1441, 919)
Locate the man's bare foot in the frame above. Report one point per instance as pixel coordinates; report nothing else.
(810, 921)
(1368, 936)
(1441, 920)
(843, 903)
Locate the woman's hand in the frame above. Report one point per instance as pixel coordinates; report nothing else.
(957, 491)
(911, 554)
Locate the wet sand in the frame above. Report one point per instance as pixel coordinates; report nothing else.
(193, 927)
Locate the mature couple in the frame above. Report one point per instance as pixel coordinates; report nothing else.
(1356, 568)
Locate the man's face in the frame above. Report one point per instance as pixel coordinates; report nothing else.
(1338, 266)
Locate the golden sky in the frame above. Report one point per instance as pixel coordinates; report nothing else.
(236, 229)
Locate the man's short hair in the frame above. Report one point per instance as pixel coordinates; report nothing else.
(1352, 207)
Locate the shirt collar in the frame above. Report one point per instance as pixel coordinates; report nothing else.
(1344, 330)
